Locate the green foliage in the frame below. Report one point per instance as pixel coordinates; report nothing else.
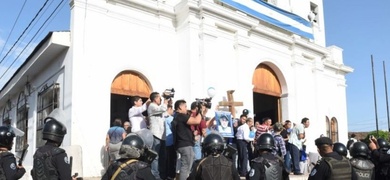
(380, 134)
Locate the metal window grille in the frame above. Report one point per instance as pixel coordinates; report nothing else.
(21, 121)
(6, 119)
(48, 100)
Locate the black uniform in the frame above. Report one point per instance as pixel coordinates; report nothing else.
(363, 169)
(214, 168)
(141, 170)
(267, 167)
(8, 169)
(51, 162)
(381, 158)
(331, 166)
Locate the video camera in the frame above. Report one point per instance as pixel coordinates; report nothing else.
(206, 102)
(168, 93)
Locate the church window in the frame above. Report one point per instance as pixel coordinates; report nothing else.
(6, 119)
(48, 100)
(334, 130)
(21, 121)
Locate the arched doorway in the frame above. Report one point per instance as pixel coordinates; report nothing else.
(126, 85)
(266, 94)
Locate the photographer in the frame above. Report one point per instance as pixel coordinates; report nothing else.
(157, 127)
(183, 136)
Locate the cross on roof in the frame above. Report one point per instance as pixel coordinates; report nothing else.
(231, 103)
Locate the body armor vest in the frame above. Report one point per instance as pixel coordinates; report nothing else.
(364, 169)
(384, 167)
(129, 171)
(273, 168)
(215, 168)
(340, 169)
(43, 165)
(3, 155)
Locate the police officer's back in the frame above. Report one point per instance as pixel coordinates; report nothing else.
(332, 165)
(8, 168)
(50, 161)
(381, 156)
(267, 166)
(214, 166)
(129, 167)
(363, 168)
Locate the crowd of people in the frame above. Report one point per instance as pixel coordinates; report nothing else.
(183, 150)
(179, 134)
(173, 142)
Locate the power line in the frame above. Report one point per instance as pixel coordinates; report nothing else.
(17, 18)
(36, 15)
(32, 39)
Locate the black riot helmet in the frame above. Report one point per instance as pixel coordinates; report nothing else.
(359, 149)
(6, 137)
(213, 144)
(132, 146)
(383, 144)
(53, 129)
(340, 148)
(265, 142)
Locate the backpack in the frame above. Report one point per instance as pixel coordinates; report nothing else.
(211, 168)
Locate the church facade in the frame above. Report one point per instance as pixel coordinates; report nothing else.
(271, 53)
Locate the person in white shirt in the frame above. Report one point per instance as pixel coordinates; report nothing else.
(243, 141)
(136, 118)
(156, 109)
(297, 136)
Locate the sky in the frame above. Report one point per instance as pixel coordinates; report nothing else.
(360, 28)
(21, 30)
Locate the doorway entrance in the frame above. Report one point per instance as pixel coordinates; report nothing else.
(266, 94)
(126, 85)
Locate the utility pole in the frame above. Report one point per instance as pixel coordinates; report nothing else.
(373, 83)
(387, 99)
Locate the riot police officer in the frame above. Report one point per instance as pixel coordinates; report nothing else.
(267, 166)
(8, 168)
(380, 154)
(214, 166)
(332, 165)
(362, 166)
(340, 149)
(50, 161)
(129, 166)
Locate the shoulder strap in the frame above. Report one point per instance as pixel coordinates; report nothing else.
(113, 132)
(197, 168)
(121, 167)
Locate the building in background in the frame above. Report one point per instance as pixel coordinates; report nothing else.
(272, 53)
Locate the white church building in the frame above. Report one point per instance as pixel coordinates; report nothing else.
(271, 53)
